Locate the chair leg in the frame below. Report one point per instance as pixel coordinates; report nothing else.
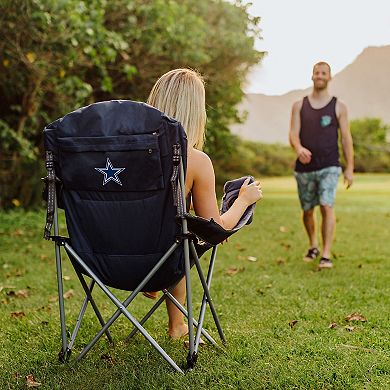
(192, 356)
(122, 310)
(60, 287)
(204, 298)
(74, 256)
(77, 326)
(146, 317)
(207, 292)
(88, 292)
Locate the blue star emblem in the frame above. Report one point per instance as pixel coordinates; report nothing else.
(110, 173)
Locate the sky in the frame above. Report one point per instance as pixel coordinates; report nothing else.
(298, 33)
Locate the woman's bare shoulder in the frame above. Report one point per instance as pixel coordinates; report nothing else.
(199, 157)
(200, 165)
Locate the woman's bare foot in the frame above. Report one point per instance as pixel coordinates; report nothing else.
(176, 326)
(178, 331)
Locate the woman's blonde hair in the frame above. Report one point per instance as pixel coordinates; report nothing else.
(180, 94)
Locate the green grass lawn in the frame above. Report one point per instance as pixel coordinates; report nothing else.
(275, 311)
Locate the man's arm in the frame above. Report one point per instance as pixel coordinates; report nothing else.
(346, 142)
(303, 154)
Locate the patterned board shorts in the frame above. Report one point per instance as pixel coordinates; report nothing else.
(317, 187)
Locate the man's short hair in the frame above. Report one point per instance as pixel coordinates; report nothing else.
(322, 63)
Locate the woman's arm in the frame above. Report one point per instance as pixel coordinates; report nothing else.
(204, 196)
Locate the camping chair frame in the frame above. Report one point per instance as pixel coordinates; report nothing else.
(185, 238)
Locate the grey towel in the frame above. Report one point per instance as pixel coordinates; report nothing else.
(231, 190)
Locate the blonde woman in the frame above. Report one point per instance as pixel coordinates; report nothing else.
(180, 94)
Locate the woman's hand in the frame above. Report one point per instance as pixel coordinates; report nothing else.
(250, 193)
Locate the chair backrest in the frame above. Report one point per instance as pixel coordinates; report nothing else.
(115, 161)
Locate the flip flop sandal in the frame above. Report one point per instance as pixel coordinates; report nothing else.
(311, 255)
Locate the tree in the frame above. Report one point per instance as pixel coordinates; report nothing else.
(371, 145)
(58, 55)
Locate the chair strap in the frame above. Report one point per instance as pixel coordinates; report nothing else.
(178, 200)
(51, 189)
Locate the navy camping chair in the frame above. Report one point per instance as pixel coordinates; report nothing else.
(118, 168)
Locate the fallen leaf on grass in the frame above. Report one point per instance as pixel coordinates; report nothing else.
(69, 294)
(22, 293)
(31, 382)
(269, 285)
(252, 258)
(18, 294)
(292, 323)
(350, 328)
(18, 232)
(4, 302)
(280, 261)
(355, 317)
(332, 325)
(17, 314)
(53, 299)
(283, 229)
(240, 247)
(233, 271)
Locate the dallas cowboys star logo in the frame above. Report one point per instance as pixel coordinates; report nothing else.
(110, 173)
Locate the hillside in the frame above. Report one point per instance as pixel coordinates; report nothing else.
(364, 86)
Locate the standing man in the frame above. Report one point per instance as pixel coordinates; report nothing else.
(315, 121)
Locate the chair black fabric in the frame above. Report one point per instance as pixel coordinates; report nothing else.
(120, 220)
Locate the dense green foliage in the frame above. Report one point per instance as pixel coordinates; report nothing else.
(59, 55)
(275, 311)
(371, 140)
(256, 159)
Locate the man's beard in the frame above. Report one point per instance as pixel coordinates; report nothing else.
(320, 86)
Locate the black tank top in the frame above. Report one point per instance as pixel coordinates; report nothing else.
(319, 134)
